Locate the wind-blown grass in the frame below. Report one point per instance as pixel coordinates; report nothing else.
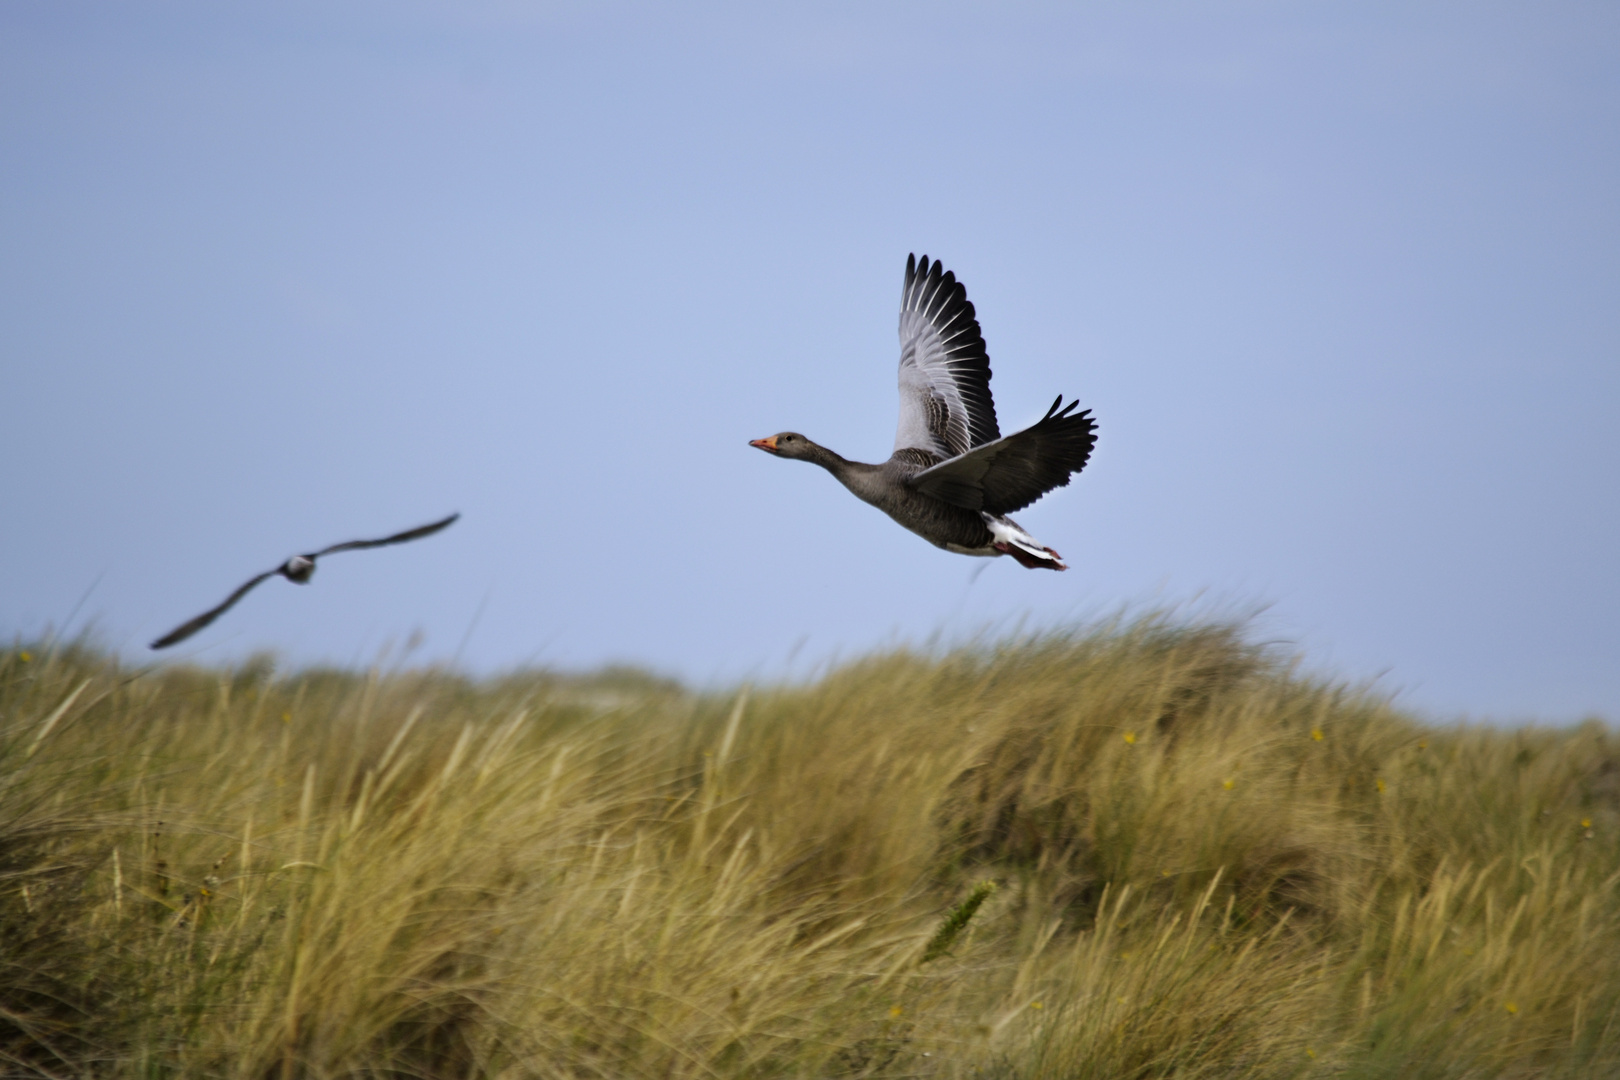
(1205, 865)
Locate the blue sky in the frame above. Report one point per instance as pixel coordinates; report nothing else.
(1339, 282)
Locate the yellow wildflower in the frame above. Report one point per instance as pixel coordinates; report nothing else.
(895, 1012)
(1130, 737)
(1586, 823)
(1310, 1053)
(1380, 783)
(1229, 783)
(1511, 1007)
(1034, 1004)
(25, 657)
(1316, 733)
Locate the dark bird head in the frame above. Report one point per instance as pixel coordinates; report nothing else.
(789, 444)
(298, 569)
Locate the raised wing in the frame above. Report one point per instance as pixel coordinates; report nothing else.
(185, 630)
(945, 404)
(398, 538)
(1009, 474)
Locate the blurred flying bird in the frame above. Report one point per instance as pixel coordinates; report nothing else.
(298, 570)
(953, 478)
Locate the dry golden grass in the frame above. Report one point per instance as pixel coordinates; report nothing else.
(1204, 864)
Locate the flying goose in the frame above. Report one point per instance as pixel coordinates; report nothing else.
(298, 570)
(953, 478)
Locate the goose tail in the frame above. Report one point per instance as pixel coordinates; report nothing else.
(1009, 539)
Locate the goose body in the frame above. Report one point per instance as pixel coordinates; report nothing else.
(952, 478)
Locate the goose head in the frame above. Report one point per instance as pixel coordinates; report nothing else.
(788, 444)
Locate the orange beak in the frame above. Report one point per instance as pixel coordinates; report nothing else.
(764, 444)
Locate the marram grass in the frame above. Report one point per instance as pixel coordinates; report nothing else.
(1203, 863)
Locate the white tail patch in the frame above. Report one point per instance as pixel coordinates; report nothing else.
(1005, 531)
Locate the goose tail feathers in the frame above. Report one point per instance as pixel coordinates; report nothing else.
(1009, 539)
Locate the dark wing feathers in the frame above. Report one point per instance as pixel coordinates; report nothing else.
(945, 402)
(398, 538)
(185, 630)
(1009, 474)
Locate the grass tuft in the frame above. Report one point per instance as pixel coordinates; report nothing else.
(955, 921)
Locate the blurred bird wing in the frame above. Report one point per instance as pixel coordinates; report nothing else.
(1009, 474)
(398, 538)
(186, 629)
(945, 403)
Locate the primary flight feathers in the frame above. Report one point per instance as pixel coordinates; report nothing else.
(945, 403)
(298, 570)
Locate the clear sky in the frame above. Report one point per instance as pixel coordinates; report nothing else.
(1341, 282)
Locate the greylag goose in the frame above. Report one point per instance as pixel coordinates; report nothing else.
(298, 570)
(953, 478)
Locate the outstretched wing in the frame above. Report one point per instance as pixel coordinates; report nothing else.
(398, 538)
(1011, 473)
(945, 404)
(185, 630)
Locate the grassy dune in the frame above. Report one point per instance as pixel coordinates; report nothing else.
(1200, 863)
